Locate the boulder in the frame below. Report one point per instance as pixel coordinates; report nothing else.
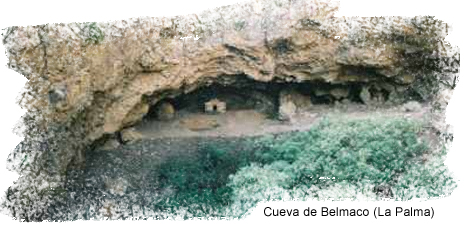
(411, 106)
(130, 135)
(116, 186)
(287, 110)
(291, 102)
(340, 93)
(110, 144)
(165, 111)
(365, 96)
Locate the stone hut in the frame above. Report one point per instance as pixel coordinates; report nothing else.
(215, 106)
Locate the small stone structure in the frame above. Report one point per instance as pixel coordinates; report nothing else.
(215, 106)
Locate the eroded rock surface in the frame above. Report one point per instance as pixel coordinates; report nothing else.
(291, 102)
(130, 135)
(109, 82)
(165, 111)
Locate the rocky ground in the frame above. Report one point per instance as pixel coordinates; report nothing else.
(123, 183)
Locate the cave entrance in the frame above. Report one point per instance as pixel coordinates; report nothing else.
(263, 97)
(241, 106)
(220, 99)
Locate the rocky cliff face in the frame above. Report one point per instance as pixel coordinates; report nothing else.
(103, 77)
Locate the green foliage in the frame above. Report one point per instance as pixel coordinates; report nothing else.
(341, 159)
(431, 180)
(93, 34)
(239, 25)
(199, 182)
(336, 159)
(354, 150)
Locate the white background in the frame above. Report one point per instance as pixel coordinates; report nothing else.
(450, 212)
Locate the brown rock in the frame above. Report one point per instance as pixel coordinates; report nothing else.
(110, 144)
(291, 102)
(130, 135)
(105, 82)
(165, 111)
(340, 93)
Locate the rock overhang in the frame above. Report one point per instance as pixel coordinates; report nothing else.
(114, 79)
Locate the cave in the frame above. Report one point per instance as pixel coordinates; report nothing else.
(235, 98)
(238, 103)
(243, 93)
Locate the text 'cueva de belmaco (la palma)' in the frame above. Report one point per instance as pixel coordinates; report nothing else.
(354, 212)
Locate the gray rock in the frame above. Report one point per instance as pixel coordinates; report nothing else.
(365, 96)
(130, 135)
(110, 144)
(57, 95)
(411, 106)
(291, 102)
(339, 93)
(287, 110)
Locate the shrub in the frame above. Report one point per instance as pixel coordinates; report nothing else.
(431, 180)
(92, 33)
(377, 150)
(336, 159)
(341, 159)
(199, 183)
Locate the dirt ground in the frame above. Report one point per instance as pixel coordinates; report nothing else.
(239, 123)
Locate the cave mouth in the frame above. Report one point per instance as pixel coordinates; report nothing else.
(240, 106)
(247, 94)
(216, 96)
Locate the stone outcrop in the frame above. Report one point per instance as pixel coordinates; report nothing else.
(110, 80)
(165, 111)
(411, 106)
(130, 135)
(291, 102)
(89, 81)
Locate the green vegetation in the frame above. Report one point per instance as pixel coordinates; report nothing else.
(198, 182)
(356, 156)
(92, 32)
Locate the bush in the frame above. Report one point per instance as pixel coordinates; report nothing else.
(199, 183)
(336, 159)
(341, 159)
(432, 180)
(377, 150)
(92, 33)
